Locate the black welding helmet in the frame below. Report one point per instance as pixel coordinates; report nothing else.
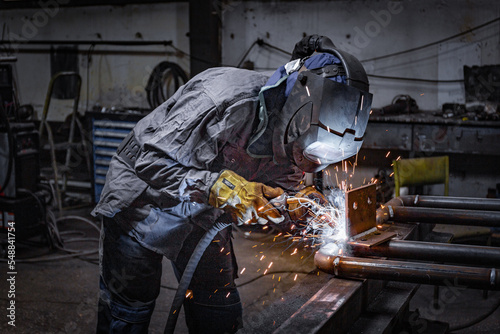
(325, 115)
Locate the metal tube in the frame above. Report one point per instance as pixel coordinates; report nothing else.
(413, 272)
(431, 251)
(445, 216)
(453, 202)
(385, 212)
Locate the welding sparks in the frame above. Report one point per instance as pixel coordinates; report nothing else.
(307, 89)
(242, 271)
(387, 155)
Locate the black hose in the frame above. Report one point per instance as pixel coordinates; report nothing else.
(180, 295)
(154, 87)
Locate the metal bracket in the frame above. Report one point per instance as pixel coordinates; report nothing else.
(372, 237)
(361, 210)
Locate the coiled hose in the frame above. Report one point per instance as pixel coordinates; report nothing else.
(161, 76)
(180, 295)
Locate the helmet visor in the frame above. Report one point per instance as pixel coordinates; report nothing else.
(323, 153)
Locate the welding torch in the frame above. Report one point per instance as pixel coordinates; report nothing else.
(300, 201)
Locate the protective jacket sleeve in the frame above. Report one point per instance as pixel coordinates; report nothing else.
(179, 140)
(177, 158)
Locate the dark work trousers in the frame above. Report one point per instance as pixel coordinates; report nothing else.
(130, 283)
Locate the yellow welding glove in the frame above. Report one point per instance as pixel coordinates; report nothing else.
(305, 200)
(249, 201)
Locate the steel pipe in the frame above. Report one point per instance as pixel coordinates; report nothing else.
(431, 251)
(445, 216)
(447, 202)
(429, 209)
(413, 272)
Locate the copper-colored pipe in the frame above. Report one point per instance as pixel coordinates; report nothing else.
(430, 251)
(414, 272)
(440, 209)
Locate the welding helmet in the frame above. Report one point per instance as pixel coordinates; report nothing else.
(326, 112)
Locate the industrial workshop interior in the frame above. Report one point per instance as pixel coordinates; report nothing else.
(270, 166)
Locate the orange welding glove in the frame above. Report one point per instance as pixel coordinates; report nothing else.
(249, 201)
(303, 201)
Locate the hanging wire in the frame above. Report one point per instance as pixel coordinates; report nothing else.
(433, 43)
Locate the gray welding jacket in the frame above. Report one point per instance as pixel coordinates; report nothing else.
(185, 143)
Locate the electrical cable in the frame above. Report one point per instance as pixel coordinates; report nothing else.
(188, 275)
(246, 53)
(275, 48)
(433, 43)
(58, 242)
(260, 42)
(477, 320)
(163, 71)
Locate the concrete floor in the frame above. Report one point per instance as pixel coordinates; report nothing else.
(61, 296)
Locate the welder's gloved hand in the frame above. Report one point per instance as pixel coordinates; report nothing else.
(248, 201)
(300, 206)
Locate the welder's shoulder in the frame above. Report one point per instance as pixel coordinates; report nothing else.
(227, 84)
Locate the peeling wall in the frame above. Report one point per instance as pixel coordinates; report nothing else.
(112, 76)
(371, 29)
(367, 29)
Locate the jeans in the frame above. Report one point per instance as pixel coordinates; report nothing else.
(130, 283)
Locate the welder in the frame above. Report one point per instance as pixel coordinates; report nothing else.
(224, 145)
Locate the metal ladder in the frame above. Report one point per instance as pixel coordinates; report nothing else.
(60, 172)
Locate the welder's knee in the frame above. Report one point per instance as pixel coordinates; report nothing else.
(115, 317)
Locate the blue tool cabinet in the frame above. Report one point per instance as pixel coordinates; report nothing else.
(108, 131)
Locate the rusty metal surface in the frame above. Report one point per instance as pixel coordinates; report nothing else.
(333, 309)
(341, 302)
(360, 209)
(372, 237)
(391, 303)
(317, 304)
